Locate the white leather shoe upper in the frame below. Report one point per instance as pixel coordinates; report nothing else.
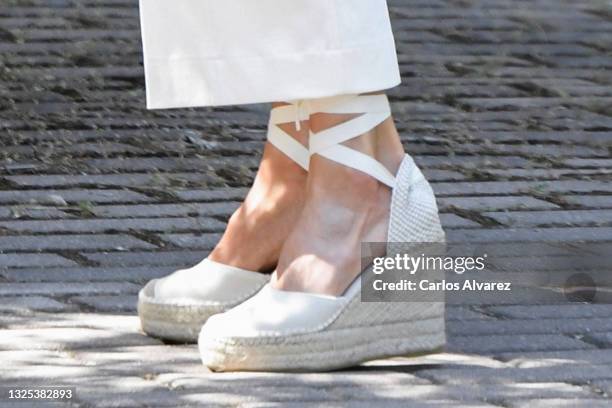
(208, 282)
(277, 312)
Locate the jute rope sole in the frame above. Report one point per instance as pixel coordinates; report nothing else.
(173, 322)
(328, 350)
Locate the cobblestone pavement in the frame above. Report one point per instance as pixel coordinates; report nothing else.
(506, 104)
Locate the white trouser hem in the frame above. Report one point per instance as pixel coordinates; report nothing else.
(191, 82)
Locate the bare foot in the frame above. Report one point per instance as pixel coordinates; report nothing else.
(343, 208)
(258, 228)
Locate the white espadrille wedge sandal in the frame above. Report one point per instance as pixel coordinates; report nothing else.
(277, 330)
(175, 307)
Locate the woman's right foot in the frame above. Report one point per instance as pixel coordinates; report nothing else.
(256, 231)
(175, 307)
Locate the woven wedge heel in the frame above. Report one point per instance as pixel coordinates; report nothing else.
(176, 306)
(335, 347)
(292, 331)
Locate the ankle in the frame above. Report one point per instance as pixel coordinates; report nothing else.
(389, 149)
(344, 186)
(276, 167)
(381, 143)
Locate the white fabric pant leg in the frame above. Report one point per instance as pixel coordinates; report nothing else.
(214, 52)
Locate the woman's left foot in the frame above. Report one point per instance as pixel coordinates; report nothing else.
(175, 307)
(278, 330)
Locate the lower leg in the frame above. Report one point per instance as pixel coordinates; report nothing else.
(257, 229)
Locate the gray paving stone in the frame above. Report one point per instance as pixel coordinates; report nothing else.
(589, 201)
(120, 322)
(23, 358)
(472, 393)
(568, 311)
(605, 386)
(25, 260)
(473, 162)
(128, 390)
(172, 164)
(578, 234)
(297, 392)
(228, 194)
(602, 339)
(558, 218)
(495, 203)
(25, 304)
(66, 288)
(90, 274)
(117, 242)
(535, 150)
(224, 209)
(561, 403)
(109, 180)
(109, 224)
(580, 137)
(532, 326)
(31, 211)
(161, 360)
(572, 372)
(454, 221)
(124, 303)
(19, 404)
(546, 358)
(521, 187)
(520, 253)
(442, 175)
(544, 174)
(492, 343)
(461, 313)
(147, 395)
(68, 339)
(138, 258)
(589, 162)
(225, 383)
(200, 241)
(516, 103)
(72, 196)
(381, 402)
